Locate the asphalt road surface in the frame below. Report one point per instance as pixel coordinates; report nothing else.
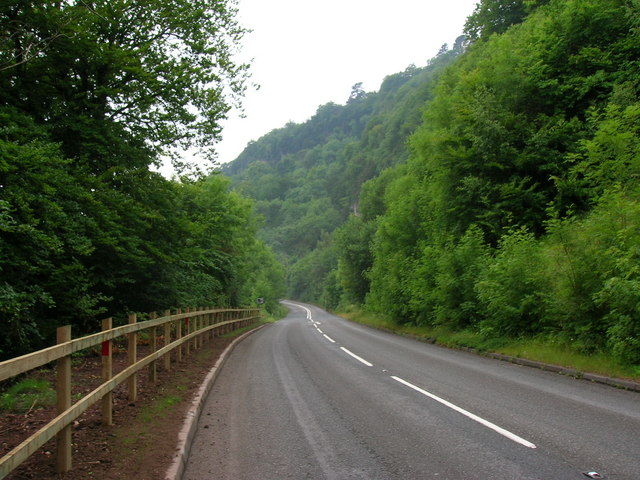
(316, 397)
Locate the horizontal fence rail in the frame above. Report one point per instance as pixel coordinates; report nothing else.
(190, 329)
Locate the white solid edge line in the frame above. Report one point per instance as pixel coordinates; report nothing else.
(486, 423)
(360, 359)
(329, 338)
(319, 330)
(309, 317)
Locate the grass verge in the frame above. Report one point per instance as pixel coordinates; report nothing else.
(27, 394)
(539, 349)
(240, 331)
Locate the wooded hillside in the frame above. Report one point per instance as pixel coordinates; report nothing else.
(306, 178)
(514, 209)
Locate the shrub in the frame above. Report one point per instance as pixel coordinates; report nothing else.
(459, 267)
(512, 290)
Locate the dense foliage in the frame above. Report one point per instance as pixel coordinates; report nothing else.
(515, 230)
(91, 95)
(515, 212)
(306, 178)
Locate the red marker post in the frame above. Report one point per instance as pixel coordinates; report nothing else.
(106, 348)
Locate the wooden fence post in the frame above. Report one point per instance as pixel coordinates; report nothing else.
(205, 317)
(153, 342)
(200, 340)
(196, 327)
(63, 439)
(201, 322)
(187, 329)
(132, 354)
(205, 324)
(167, 340)
(107, 372)
(179, 336)
(214, 320)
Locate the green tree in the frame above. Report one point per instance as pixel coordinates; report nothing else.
(496, 16)
(91, 95)
(397, 248)
(357, 93)
(306, 277)
(158, 74)
(513, 289)
(262, 277)
(459, 265)
(532, 126)
(45, 238)
(353, 242)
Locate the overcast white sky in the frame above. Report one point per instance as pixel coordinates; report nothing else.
(308, 53)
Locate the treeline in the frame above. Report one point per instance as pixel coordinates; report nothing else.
(305, 179)
(92, 97)
(516, 213)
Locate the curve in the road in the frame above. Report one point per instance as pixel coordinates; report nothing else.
(502, 431)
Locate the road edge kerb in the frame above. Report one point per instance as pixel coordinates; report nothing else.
(571, 372)
(185, 437)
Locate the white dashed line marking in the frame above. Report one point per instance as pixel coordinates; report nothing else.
(486, 423)
(360, 359)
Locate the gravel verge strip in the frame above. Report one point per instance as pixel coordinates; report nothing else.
(185, 437)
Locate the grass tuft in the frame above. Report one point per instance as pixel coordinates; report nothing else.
(159, 408)
(28, 394)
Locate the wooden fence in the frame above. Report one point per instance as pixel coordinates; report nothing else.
(181, 331)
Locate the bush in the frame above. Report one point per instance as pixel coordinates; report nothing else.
(459, 268)
(595, 275)
(622, 298)
(512, 290)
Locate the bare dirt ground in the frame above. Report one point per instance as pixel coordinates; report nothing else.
(143, 439)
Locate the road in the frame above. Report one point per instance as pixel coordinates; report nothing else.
(316, 397)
